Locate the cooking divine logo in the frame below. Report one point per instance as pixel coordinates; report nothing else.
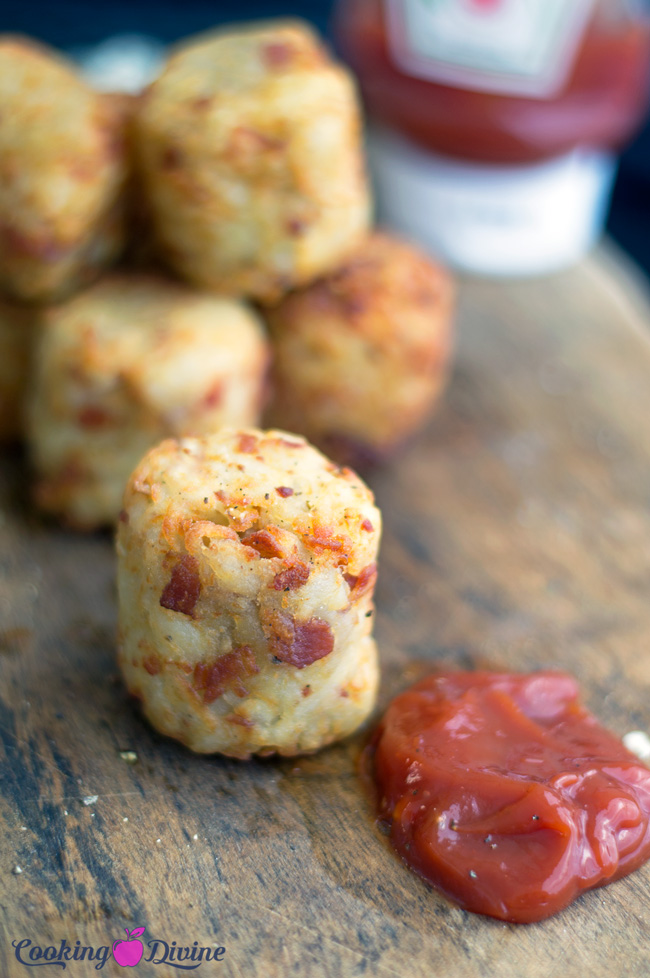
(127, 953)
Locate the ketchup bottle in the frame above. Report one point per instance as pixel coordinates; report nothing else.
(496, 122)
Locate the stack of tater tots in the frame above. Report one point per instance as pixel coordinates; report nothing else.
(176, 267)
(147, 242)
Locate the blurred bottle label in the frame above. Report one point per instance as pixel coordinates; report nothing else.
(511, 47)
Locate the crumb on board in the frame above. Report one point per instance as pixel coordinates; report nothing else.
(89, 799)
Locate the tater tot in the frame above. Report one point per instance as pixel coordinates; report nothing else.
(361, 356)
(62, 174)
(134, 359)
(249, 150)
(246, 570)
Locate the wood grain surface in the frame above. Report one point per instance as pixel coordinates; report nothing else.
(517, 535)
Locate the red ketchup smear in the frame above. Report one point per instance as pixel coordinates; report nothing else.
(504, 792)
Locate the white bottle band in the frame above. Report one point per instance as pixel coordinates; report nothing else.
(492, 219)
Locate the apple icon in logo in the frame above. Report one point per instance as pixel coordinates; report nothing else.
(127, 953)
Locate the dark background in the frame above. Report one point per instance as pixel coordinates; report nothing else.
(70, 24)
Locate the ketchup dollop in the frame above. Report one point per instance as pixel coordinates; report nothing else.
(504, 792)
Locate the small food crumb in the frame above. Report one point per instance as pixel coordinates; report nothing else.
(158, 840)
(638, 742)
(125, 819)
(195, 836)
(23, 828)
(65, 811)
(17, 870)
(89, 800)
(472, 874)
(129, 756)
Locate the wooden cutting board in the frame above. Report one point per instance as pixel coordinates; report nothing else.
(517, 535)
